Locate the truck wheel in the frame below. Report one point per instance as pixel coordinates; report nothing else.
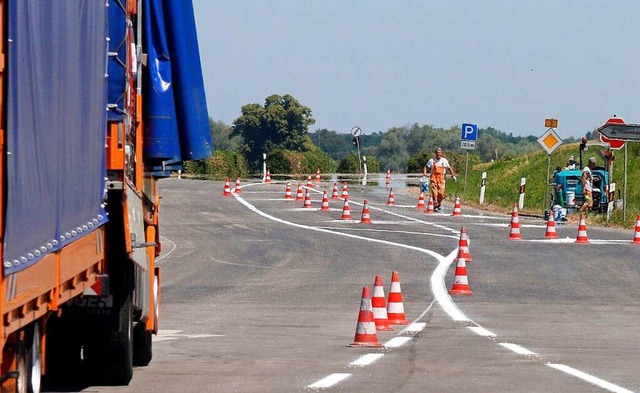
(29, 361)
(142, 345)
(62, 353)
(142, 338)
(108, 352)
(121, 359)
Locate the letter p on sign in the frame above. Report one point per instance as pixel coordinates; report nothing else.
(469, 132)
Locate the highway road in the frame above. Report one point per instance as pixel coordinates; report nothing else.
(262, 295)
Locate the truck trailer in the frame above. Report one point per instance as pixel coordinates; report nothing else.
(99, 100)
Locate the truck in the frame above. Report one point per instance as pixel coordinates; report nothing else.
(567, 183)
(99, 100)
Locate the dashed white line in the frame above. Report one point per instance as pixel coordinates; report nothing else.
(518, 349)
(397, 342)
(366, 360)
(589, 378)
(415, 327)
(329, 381)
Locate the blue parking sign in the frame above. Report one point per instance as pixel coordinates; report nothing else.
(469, 132)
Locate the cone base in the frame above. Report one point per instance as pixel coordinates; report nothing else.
(399, 322)
(456, 215)
(550, 236)
(384, 328)
(365, 344)
(514, 237)
(365, 222)
(226, 194)
(582, 241)
(634, 241)
(460, 292)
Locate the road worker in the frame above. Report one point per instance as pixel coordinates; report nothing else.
(438, 166)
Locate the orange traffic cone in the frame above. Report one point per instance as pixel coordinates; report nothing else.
(287, 192)
(366, 219)
(457, 212)
(307, 199)
(346, 213)
(379, 305)
(318, 176)
(366, 335)
(237, 189)
(334, 194)
(551, 228)
(392, 198)
(345, 191)
(388, 178)
(420, 204)
(460, 282)
(299, 196)
(515, 224)
(636, 236)
(309, 183)
(430, 208)
(325, 202)
(395, 306)
(463, 245)
(227, 188)
(582, 231)
(267, 178)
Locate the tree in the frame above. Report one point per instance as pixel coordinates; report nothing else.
(221, 134)
(281, 123)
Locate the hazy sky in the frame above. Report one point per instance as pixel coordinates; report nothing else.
(377, 64)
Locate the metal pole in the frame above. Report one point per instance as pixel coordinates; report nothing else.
(359, 162)
(624, 202)
(466, 167)
(546, 182)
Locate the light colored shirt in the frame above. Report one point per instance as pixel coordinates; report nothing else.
(442, 162)
(587, 184)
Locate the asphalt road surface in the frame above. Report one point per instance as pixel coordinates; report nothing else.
(260, 294)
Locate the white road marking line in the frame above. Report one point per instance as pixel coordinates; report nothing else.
(480, 331)
(589, 378)
(366, 360)
(440, 293)
(414, 328)
(329, 381)
(397, 342)
(518, 349)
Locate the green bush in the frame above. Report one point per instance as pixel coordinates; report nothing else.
(349, 164)
(223, 163)
(283, 161)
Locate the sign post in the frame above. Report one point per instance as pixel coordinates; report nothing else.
(549, 141)
(356, 132)
(468, 137)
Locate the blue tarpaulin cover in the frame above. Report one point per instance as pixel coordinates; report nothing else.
(175, 101)
(56, 124)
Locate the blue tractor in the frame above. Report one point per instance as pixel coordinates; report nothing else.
(567, 185)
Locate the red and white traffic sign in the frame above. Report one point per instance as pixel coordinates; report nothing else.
(614, 144)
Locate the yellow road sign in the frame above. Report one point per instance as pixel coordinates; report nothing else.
(550, 141)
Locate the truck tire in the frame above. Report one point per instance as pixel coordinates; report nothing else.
(142, 338)
(142, 345)
(29, 361)
(63, 353)
(122, 352)
(108, 354)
